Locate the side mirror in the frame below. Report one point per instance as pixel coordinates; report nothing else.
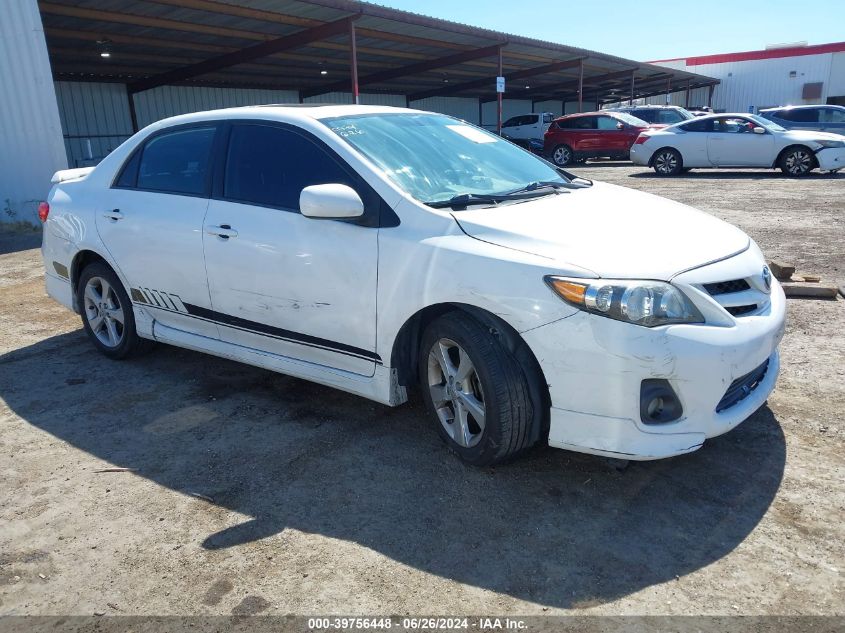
(330, 201)
(620, 126)
(759, 130)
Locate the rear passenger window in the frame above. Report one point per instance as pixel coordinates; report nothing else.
(270, 166)
(176, 162)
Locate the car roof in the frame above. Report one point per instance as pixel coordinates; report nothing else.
(575, 115)
(646, 106)
(803, 107)
(289, 113)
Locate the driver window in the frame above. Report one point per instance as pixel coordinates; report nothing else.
(511, 122)
(733, 125)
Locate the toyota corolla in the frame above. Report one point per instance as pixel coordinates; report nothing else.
(376, 250)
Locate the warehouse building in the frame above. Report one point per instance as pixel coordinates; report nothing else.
(81, 76)
(752, 80)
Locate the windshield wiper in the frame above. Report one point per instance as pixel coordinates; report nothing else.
(541, 184)
(466, 199)
(533, 190)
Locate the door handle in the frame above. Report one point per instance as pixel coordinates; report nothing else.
(223, 231)
(114, 214)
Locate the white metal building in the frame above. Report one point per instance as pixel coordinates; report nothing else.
(752, 80)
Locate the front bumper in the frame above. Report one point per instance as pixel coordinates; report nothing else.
(831, 158)
(595, 366)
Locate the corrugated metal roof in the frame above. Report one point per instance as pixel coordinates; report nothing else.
(149, 37)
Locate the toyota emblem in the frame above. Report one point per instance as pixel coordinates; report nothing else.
(767, 278)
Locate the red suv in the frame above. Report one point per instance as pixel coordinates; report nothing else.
(577, 137)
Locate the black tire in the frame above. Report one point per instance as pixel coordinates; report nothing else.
(667, 162)
(562, 155)
(499, 382)
(797, 161)
(129, 343)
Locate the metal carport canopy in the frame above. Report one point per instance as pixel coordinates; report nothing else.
(321, 46)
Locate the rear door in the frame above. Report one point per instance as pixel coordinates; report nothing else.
(281, 282)
(152, 226)
(585, 139)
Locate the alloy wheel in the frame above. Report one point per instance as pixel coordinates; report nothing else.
(798, 162)
(456, 392)
(666, 162)
(103, 312)
(562, 156)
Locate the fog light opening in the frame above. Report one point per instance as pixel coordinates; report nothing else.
(658, 402)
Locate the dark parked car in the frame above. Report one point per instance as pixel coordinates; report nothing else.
(827, 118)
(605, 134)
(656, 114)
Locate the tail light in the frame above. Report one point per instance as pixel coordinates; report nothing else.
(43, 210)
(642, 138)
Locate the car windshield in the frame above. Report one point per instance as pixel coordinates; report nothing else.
(435, 158)
(769, 125)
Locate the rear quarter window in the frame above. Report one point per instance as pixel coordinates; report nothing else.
(177, 162)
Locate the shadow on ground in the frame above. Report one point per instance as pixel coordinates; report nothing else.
(556, 528)
(13, 240)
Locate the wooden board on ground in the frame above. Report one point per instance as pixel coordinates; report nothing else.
(812, 290)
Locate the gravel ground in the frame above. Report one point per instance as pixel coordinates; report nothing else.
(251, 492)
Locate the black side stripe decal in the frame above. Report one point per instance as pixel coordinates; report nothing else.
(148, 297)
(263, 328)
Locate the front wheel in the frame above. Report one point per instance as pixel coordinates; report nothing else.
(562, 155)
(667, 162)
(797, 161)
(475, 390)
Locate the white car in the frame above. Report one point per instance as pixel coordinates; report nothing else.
(527, 126)
(378, 249)
(737, 140)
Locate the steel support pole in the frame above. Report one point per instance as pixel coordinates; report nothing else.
(668, 91)
(633, 80)
(133, 117)
(686, 98)
(580, 86)
(499, 98)
(353, 61)
(710, 96)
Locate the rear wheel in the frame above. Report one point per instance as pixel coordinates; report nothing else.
(562, 155)
(797, 161)
(667, 162)
(107, 313)
(475, 391)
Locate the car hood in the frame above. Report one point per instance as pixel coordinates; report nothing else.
(610, 230)
(810, 135)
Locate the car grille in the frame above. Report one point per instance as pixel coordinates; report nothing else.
(742, 387)
(740, 310)
(727, 287)
(736, 296)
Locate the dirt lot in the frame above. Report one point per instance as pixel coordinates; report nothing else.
(252, 492)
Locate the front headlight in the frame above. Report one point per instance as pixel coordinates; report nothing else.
(647, 303)
(831, 143)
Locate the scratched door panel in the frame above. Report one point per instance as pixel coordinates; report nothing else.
(294, 286)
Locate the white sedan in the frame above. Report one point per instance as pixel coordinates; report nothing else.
(737, 140)
(377, 250)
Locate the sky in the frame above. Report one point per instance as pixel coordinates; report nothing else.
(646, 30)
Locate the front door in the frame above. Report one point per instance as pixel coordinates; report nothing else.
(152, 226)
(281, 282)
(733, 143)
